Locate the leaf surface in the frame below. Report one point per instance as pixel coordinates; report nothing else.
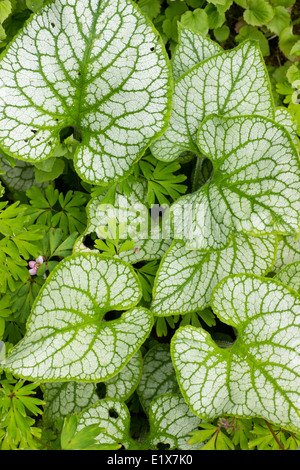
(65, 398)
(158, 375)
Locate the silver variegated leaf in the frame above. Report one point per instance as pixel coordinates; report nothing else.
(98, 67)
(71, 334)
(255, 187)
(186, 278)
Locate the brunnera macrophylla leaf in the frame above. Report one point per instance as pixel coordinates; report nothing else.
(290, 276)
(98, 67)
(192, 48)
(158, 377)
(186, 278)
(131, 214)
(254, 189)
(170, 422)
(71, 334)
(259, 374)
(64, 398)
(230, 83)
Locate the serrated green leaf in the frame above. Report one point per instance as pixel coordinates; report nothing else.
(34, 5)
(151, 8)
(106, 76)
(197, 20)
(254, 189)
(280, 20)
(222, 33)
(257, 376)
(74, 341)
(287, 41)
(258, 12)
(186, 278)
(230, 83)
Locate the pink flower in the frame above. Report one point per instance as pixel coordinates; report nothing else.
(34, 265)
(137, 250)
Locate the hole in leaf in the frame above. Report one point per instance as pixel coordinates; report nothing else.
(68, 131)
(112, 315)
(101, 390)
(224, 335)
(152, 49)
(113, 413)
(89, 240)
(162, 446)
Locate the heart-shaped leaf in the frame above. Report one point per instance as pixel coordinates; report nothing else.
(72, 333)
(258, 375)
(170, 422)
(186, 278)
(98, 68)
(230, 83)
(192, 48)
(255, 187)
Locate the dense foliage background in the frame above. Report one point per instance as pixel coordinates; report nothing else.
(43, 211)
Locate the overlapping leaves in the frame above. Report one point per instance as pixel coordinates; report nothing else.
(255, 187)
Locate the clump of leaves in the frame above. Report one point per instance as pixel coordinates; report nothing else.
(18, 238)
(18, 406)
(54, 209)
